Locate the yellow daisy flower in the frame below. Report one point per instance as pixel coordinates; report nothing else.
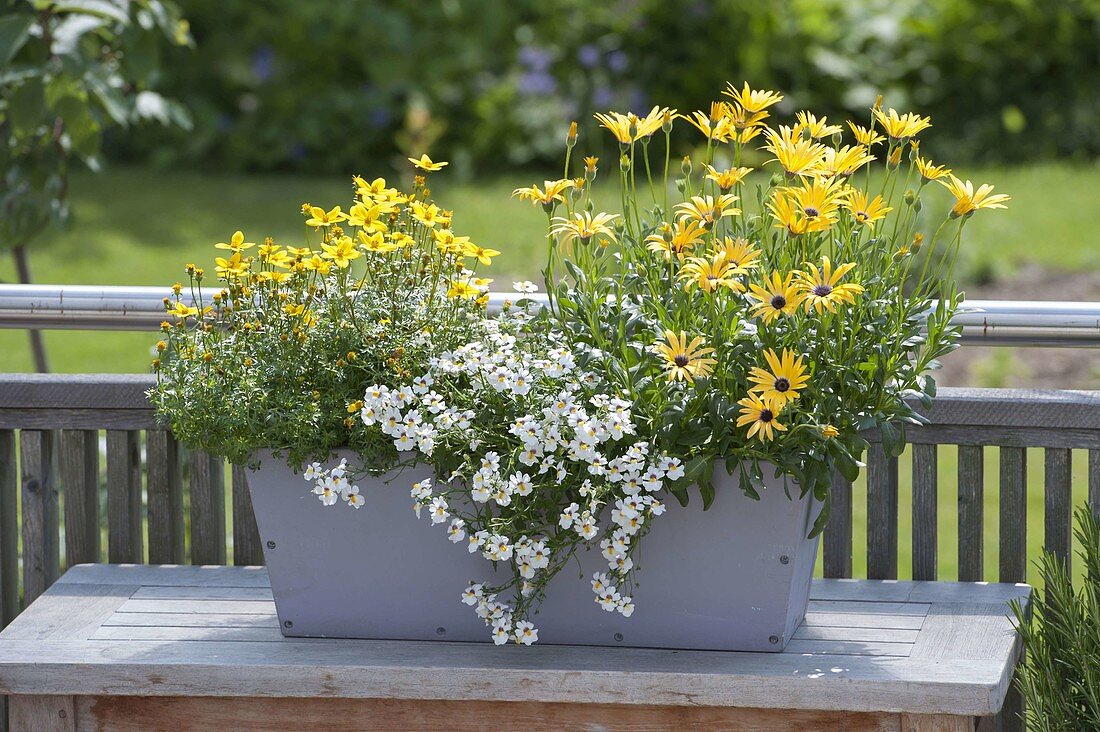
(549, 195)
(462, 289)
(481, 254)
(900, 126)
(750, 100)
(677, 239)
(236, 243)
(727, 179)
(967, 201)
(318, 217)
(716, 126)
(821, 288)
(761, 416)
(814, 127)
(684, 361)
(584, 226)
(865, 136)
(778, 296)
(342, 252)
(796, 155)
(782, 383)
(739, 252)
(707, 209)
(866, 212)
(843, 162)
(928, 171)
(710, 274)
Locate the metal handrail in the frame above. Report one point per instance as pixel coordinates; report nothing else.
(93, 307)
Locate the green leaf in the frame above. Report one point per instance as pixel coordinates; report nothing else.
(14, 31)
(27, 106)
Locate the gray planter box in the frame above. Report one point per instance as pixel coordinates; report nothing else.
(735, 577)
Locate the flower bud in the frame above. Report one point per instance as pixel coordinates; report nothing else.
(624, 163)
(837, 139)
(685, 165)
(571, 136)
(910, 197)
(895, 158)
(666, 121)
(777, 180)
(918, 240)
(681, 185)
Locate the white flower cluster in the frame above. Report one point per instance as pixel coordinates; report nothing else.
(329, 485)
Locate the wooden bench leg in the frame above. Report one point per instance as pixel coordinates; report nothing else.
(30, 713)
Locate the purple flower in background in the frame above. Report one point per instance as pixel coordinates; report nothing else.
(602, 98)
(639, 102)
(379, 117)
(297, 151)
(223, 123)
(537, 83)
(588, 55)
(617, 61)
(263, 63)
(535, 58)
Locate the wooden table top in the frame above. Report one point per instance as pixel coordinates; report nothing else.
(146, 630)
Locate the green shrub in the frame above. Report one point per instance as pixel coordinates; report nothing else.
(1060, 679)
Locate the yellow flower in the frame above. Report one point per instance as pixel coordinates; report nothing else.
(342, 252)
(928, 171)
(425, 163)
(628, 128)
(716, 126)
(739, 252)
(428, 214)
(967, 201)
(462, 289)
(319, 217)
(232, 267)
(401, 239)
(367, 217)
(811, 207)
(369, 190)
(707, 210)
(778, 296)
(678, 239)
(752, 101)
(795, 154)
(782, 383)
(843, 162)
(590, 164)
(814, 127)
(481, 254)
(829, 432)
(865, 136)
(821, 288)
(710, 274)
(180, 310)
(726, 179)
(318, 265)
(866, 212)
(684, 361)
(448, 243)
(549, 195)
(584, 226)
(375, 242)
(236, 243)
(761, 416)
(903, 126)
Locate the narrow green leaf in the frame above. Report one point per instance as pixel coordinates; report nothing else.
(14, 31)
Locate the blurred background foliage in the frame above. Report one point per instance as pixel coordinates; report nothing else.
(325, 87)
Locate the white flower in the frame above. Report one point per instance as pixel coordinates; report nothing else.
(539, 556)
(674, 470)
(621, 564)
(568, 516)
(476, 540)
(421, 384)
(490, 461)
(656, 508)
(328, 496)
(339, 470)
(525, 286)
(434, 403)
(370, 415)
(313, 472)
(625, 606)
(521, 383)
(421, 490)
(438, 510)
(585, 525)
(600, 582)
(526, 633)
(608, 600)
(353, 498)
(472, 594)
(520, 484)
(405, 441)
(401, 397)
(500, 635)
(503, 494)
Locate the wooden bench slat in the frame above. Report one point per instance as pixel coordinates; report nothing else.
(925, 513)
(245, 607)
(820, 619)
(167, 543)
(41, 549)
(971, 471)
(856, 633)
(1013, 514)
(194, 620)
(9, 529)
(79, 466)
(837, 559)
(207, 508)
(247, 549)
(124, 525)
(203, 593)
(1058, 529)
(882, 514)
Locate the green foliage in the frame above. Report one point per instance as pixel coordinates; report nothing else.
(278, 355)
(69, 71)
(1009, 79)
(1060, 678)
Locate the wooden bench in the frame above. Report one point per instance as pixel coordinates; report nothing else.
(146, 647)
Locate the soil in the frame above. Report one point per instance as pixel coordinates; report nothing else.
(1038, 368)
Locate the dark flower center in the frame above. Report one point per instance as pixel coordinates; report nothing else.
(823, 290)
(766, 415)
(681, 360)
(779, 302)
(781, 384)
(811, 212)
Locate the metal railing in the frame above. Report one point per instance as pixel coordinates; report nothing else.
(91, 307)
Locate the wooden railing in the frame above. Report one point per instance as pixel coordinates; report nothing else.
(155, 501)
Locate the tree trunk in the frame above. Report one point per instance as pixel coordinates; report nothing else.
(38, 346)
